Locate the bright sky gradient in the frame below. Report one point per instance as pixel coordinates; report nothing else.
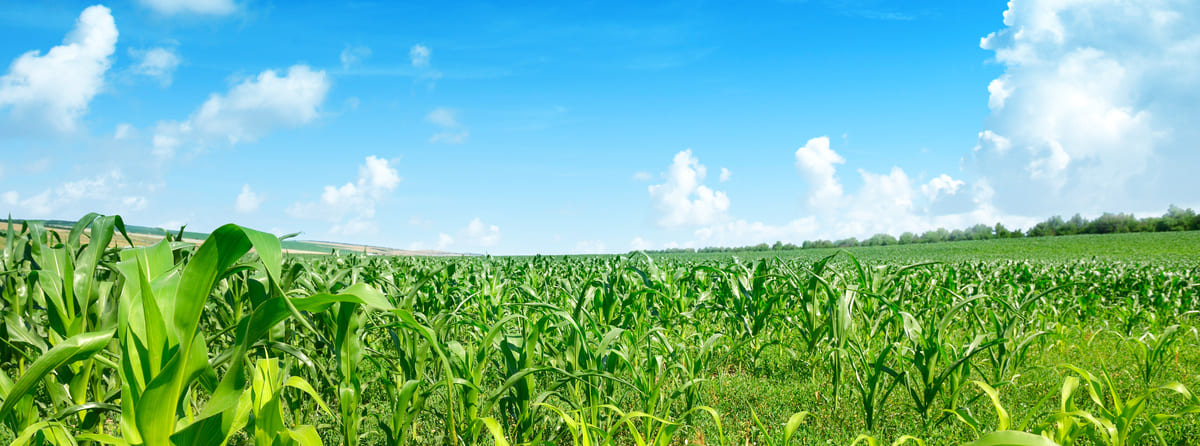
(597, 127)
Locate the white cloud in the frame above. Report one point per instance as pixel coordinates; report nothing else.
(419, 55)
(590, 247)
(158, 63)
(107, 192)
(475, 235)
(444, 240)
(353, 55)
(481, 234)
(642, 176)
(247, 201)
(816, 163)
(742, 233)
(133, 203)
(725, 175)
(639, 244)
(200, 7)
(453, 132)
(990, 141)
(684, 200)
(1095, 106)
(249, 111)
(350, 208)
(884, 203)
(941, 185)
(55, 89)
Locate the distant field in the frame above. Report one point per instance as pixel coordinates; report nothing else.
(1140, 246)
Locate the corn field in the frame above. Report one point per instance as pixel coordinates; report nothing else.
(232, 342)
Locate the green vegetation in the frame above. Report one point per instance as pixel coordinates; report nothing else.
(1175, 220)
(1084, 340)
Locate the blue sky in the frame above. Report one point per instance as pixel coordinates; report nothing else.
(596, 127)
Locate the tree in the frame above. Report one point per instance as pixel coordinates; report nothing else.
(1000, 231)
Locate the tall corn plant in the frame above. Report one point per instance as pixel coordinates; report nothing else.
(166, 367)
(66, 279)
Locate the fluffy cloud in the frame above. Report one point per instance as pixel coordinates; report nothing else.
(817, 164)
(55, 89)
(247, 201)
(1094, 107)
(158, 63)
(725, 175)
(885, 203)
(453, 132)
(419, 55)
(108, 192)
(684, 200)
(201, 7)
(639, 244)
(941, 185)
(642, 176)
(249, 110)
(350, 208)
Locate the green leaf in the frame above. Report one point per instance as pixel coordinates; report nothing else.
(75, 348)
(1012, 438)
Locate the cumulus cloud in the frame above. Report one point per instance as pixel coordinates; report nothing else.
(642, 176)
(249, 110)
(817, 164)
(889, 203)
(157, 63)
(54, 89)
(350, 208)
(941, 185)
(725, 175)
(639, 244)
(353, 55)
(247, 201)
(419, 55)
(107, 192)
(198, 7)
(684, 200)
(453, 131)
(1094, 107)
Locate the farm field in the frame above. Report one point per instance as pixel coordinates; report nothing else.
(1068, 340)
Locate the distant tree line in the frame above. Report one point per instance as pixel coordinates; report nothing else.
(1176, 219)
